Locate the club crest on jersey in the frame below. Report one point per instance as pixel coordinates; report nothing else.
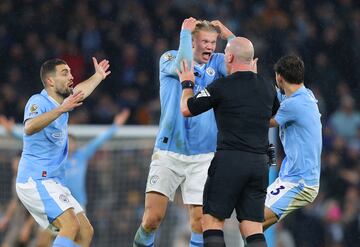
(154, 179)
(203, 93)
(63, 198)
(57, 135)
(168, 56)
(210, 71)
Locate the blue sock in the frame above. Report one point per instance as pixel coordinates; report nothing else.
(61, 241)
(196, 240)
(143, 238)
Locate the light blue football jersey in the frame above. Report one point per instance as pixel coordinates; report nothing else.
(44, 152)
(194, 135)
(77, 163)
(301, 137)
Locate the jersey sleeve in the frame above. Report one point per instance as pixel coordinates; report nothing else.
(281, 97)
(287, 112)
(89, 149)
(34, 107)
(169, 61)
(204, 100)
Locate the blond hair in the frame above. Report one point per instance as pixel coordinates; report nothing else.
(205, 25)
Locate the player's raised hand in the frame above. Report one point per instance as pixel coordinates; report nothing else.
(121, 117)
(72, 101)
(225, 33)
(186, 72)
(189, 24)
(8, 124)
(102, 67)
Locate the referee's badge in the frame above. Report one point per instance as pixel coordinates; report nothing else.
(210, 71)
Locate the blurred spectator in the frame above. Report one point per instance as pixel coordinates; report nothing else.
(134, 33)
(346, 120)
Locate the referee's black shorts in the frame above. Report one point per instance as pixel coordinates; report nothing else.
(236, 180)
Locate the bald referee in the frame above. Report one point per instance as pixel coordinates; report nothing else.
(238, 175)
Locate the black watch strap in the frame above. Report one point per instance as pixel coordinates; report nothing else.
(187, 84)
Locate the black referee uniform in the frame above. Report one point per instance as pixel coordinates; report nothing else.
(238, 175)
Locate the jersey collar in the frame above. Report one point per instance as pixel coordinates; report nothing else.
(44, 93)
(299, 91)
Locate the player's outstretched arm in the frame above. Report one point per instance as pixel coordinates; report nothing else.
(121, 117)
(36, 124)
(89, 149)
(8, 124)
(101, 72)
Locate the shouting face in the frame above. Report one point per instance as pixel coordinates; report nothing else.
(204, 44)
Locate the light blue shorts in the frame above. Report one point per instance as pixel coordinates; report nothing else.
(283, 197)
(46, 200)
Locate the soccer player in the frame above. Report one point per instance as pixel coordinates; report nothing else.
(41, 172)
(238, 175)
(301, 137)
(184, 147)
(77, 162)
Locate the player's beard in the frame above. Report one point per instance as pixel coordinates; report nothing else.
(66, 92)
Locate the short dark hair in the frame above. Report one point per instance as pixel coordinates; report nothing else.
(49, 67)
(292, 68)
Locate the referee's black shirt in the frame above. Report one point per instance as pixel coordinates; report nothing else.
(243, 103)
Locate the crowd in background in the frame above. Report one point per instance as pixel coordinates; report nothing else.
(133, 34)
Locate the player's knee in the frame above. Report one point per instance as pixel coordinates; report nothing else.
(151, 221)
(71, 225)
(74, 227)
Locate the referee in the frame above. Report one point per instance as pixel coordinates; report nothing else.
(238, 175)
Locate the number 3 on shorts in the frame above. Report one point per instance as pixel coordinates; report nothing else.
(277, 190)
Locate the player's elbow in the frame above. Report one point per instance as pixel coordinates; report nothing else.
(29, 128)
(28, 131)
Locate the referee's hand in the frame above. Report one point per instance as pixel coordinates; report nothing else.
(186, 73)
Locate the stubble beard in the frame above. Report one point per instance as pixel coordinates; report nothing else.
(65, 93)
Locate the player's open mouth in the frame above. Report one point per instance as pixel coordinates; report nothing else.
(206, 55)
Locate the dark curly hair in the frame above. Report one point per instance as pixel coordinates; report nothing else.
(292, 68)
